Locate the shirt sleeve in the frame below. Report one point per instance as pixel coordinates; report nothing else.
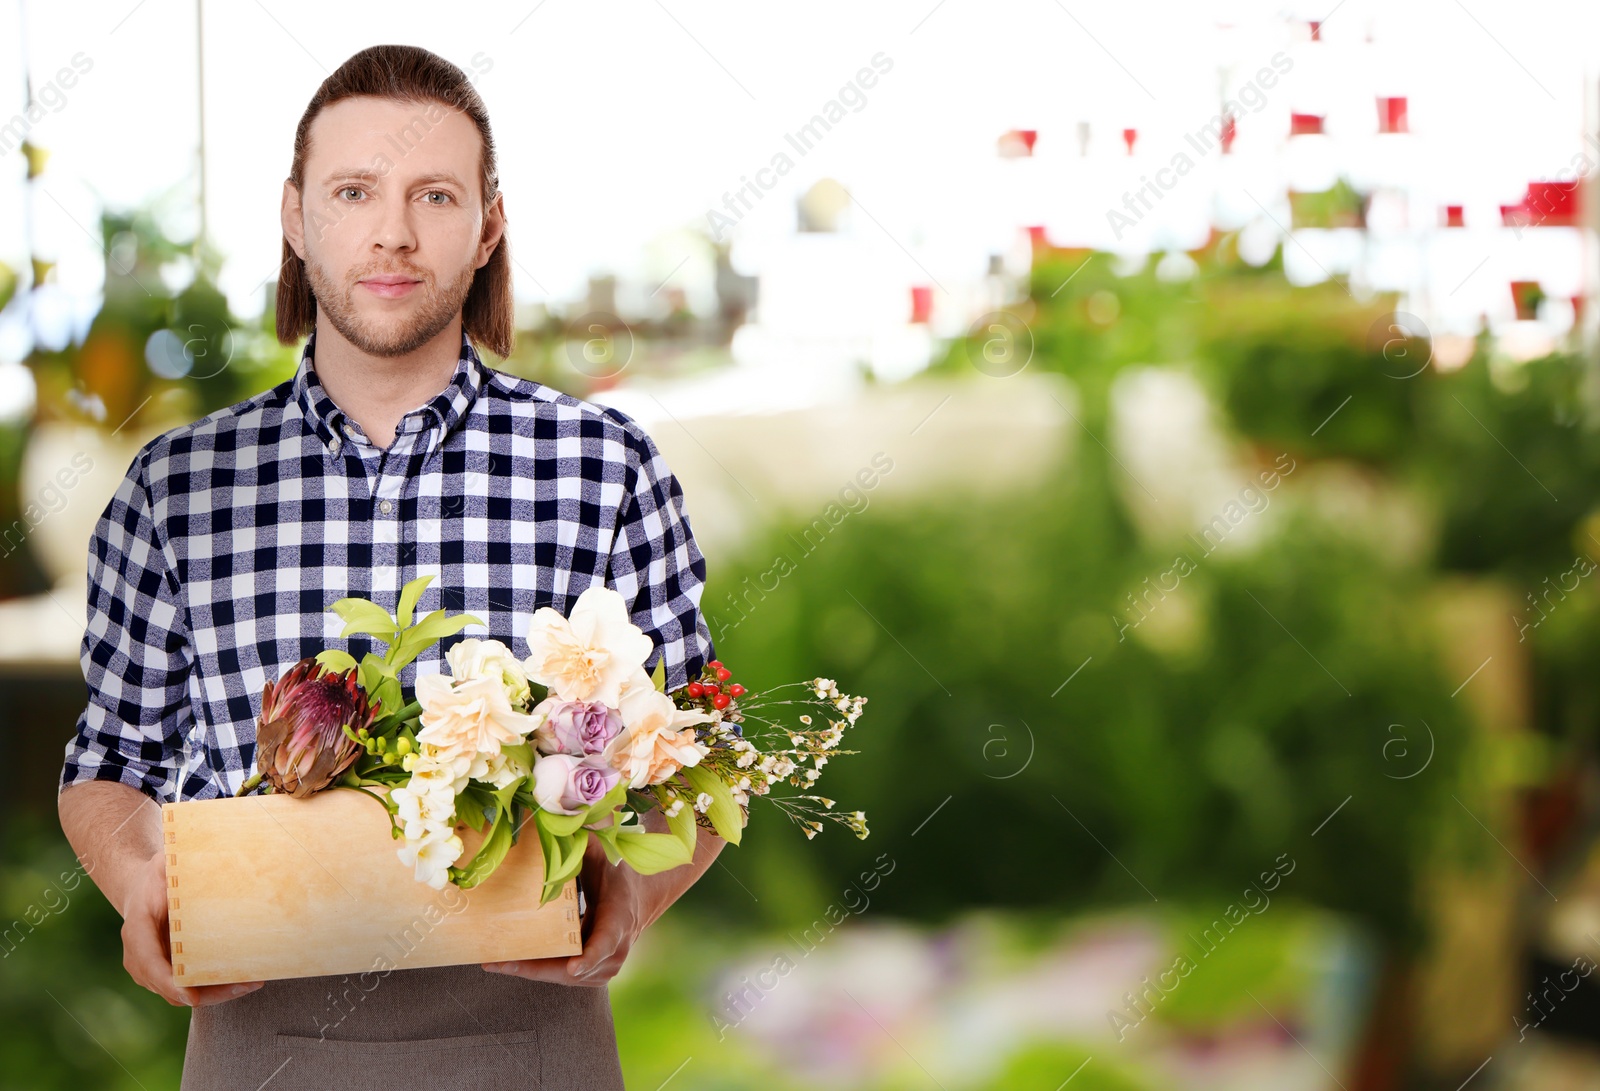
(657, 567)
(136, 654)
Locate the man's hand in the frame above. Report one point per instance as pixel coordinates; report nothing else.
(145, 951)
(621, 905)
(115, 830)
(616, 897)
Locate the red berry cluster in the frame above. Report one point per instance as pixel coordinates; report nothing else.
(714, 685)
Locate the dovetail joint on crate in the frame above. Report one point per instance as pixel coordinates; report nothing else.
(170, 817)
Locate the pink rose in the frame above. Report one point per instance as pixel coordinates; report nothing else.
(579, 728)
(565, 784)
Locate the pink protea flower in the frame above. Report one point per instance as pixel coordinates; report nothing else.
(301, 746)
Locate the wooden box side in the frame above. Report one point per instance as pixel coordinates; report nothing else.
(269, 886)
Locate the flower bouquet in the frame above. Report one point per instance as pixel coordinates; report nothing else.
(575, 737)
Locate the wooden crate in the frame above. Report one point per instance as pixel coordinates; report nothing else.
(269, 886)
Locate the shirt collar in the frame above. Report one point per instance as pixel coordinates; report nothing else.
(447, 409)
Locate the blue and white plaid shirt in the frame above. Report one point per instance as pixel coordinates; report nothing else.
(212, 568)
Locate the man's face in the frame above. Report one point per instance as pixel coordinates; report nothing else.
(391, 192)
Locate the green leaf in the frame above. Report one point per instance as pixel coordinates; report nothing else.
(388, 721)
(489, 854)
(471, 804)
(560, 825)
(409, 596)
(502, 795)
(659, 675)
(362, 616)
(389, 696)
(608, 841)
(522, 751)
(684, 827)
(649, 853)
(431, 626)
(427, 632)
(337, 661)
(550, 847)
(563, 858)
(724, 813)
(373, 671)
(572, 848)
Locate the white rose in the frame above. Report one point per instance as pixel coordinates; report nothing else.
(590, 655)
(469, 717)
(475, 658)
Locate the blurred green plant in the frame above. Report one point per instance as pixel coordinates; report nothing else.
(181, 351)
(1188, 752)
(74, 1017)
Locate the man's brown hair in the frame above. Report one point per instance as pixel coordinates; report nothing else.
(407, 74)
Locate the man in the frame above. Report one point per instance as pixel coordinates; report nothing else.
(392, 453)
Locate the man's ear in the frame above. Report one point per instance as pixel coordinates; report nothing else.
(291, 215)
(494, 227)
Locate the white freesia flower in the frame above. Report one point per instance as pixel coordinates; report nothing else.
(425, 809)
(421, 804)
(432, 856)
(450, 767)
(498, 769)
(475, 658)
(590, 655)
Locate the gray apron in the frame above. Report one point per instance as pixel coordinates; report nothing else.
(437, 1027)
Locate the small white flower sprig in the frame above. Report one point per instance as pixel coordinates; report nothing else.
(752, 762)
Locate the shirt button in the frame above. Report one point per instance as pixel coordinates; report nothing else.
(386, 507)
(333, 446)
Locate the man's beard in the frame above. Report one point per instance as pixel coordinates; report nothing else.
(397, 336)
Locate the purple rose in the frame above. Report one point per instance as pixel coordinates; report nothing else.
(579, 728)
(564, 784)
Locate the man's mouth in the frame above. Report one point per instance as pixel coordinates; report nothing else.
(390, 286)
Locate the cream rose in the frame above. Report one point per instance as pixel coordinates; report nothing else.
(590, 655)
(658, 738)
(469, 717)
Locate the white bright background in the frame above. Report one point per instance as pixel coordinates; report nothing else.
(620, 125)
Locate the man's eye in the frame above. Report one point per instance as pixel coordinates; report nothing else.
(439, 193)
(350, 189)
